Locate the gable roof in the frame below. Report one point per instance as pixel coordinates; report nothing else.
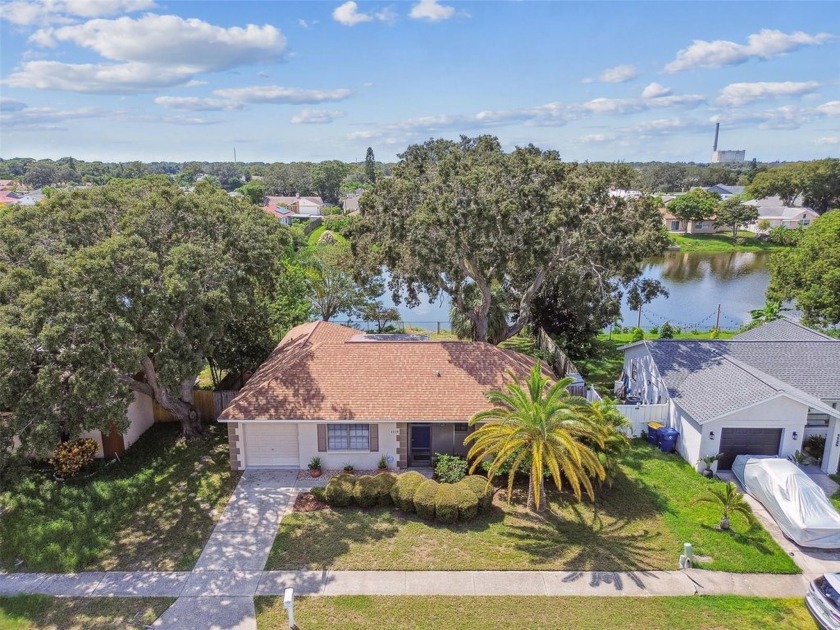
(726, 189)
(709, 382)
(781, 329)
(289, 200)
(326, 372)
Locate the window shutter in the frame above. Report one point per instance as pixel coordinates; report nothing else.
(373, 432)
(322, 438)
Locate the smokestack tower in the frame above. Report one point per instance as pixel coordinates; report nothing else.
(722, 156)
(717, 133)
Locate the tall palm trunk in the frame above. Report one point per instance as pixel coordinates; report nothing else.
(532, 504)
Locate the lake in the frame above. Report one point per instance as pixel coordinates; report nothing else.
(697, 283)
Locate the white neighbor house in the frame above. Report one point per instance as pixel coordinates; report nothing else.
(760, 393)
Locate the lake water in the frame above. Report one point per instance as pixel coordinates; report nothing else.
(697, 283)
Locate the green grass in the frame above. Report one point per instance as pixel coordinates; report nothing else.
(638, 524)
(537, 613)
(154, 510)
(38, 612)
(316, 234)
(602, 365)
(723, 242)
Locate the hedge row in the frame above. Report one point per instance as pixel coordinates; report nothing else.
(412, 492)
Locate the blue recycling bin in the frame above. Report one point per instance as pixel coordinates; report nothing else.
(653, 432)
(667, 439)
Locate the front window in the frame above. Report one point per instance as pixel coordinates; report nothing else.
(700, 225)
(462, 427)
(348, 437)
(675, 226)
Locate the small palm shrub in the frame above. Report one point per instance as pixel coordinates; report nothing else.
(69, 458)
(482, 489)
(731, 502)
(403, 490)
(339, 492)
(425, 498)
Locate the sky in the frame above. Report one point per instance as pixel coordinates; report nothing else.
(120, 80)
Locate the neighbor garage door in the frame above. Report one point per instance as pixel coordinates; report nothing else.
(735, 442)
(271, 445)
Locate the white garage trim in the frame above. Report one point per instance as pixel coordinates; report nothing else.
(270, 445)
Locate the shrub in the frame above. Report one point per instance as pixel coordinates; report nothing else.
(466, 501)
(424, 499)
(667, 331)
(364, 491)
(785, 236)
(319, 493)
(482, 489)
(637, 334)
(339, 492)
(348, 468)
(446, 502)
(384, 483)
(815, 445)
(450, 468)
(654, 330)
(70, 457)
(403, 490)
(337, 223)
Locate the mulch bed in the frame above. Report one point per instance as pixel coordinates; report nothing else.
(308, 502)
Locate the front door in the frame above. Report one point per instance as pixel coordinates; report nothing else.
(421, 445)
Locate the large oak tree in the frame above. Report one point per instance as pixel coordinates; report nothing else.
(127, 288)
(464, 217)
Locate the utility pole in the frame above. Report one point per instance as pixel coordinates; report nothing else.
(717, 319)
(639, 321)
(234, 155)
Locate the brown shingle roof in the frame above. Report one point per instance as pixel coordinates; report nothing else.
(318, 373)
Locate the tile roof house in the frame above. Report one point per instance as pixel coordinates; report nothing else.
(297, 207)
(760, 393)
(351, 398)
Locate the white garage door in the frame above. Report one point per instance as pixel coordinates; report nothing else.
(271, 445)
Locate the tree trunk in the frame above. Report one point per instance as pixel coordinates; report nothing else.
(532, 504)
(181, 407)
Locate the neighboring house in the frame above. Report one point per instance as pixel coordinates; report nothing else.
(679, 226)
(31, 198)
(773, 210)
(622, 193)
(8, 184)
(351, 202)
(297, 207)
(350, 398)
(725, 190)
(760, 393)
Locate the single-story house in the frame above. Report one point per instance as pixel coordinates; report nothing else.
(725, 190)
(774, 210)
(760, 393)
(679, 226)
(350, 398)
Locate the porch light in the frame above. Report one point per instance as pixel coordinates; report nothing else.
(795, 435)
(711, 435)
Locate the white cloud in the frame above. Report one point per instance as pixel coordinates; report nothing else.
(90, 78)
(832, 108)
(172, 41)
(387, 15)
(280, 94)
(765, 44)
(655, 90)
(197, 104)
(737, 94)
(306, 24)
(787, 117)
(38, 118)
(828, 140)
(617, 74)
(349, 15)
(631, 105)
(431, 10)
(310, 116)
(28, 13)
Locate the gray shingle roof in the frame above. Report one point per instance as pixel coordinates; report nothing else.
(707, 380)
(781, 330)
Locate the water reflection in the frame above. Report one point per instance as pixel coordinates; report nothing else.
(690, 267)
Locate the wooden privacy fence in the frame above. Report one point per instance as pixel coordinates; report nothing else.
(557, 359)
(209, 404)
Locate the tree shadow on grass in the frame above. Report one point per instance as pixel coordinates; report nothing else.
(755, 537)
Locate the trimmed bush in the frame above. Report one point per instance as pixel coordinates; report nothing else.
(424, 499)
(446, 502)
(384, 483)
(450, 468)
(364, 492)
(339, 492)
(402, 493)
(466, 501)
(482, 490)
(70, 457)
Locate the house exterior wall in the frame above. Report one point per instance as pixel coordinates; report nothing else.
(140, 417)
(361, 460)
(445, 439)
(304, 206)
(235, 446)
(689, 442)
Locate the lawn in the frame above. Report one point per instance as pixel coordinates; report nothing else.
(316, 234)
(723, 242)
(154, 510)
(603, 363)
(535, 613)
(638, 524)
(38, 612)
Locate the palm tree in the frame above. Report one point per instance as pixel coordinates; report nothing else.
(542, 427)
(731, 501)
(616, 444)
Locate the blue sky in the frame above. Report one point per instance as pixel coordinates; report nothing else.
(286, 81)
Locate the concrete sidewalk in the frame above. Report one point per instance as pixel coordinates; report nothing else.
(205, 585)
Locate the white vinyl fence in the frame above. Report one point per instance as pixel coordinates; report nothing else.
(640, 415)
